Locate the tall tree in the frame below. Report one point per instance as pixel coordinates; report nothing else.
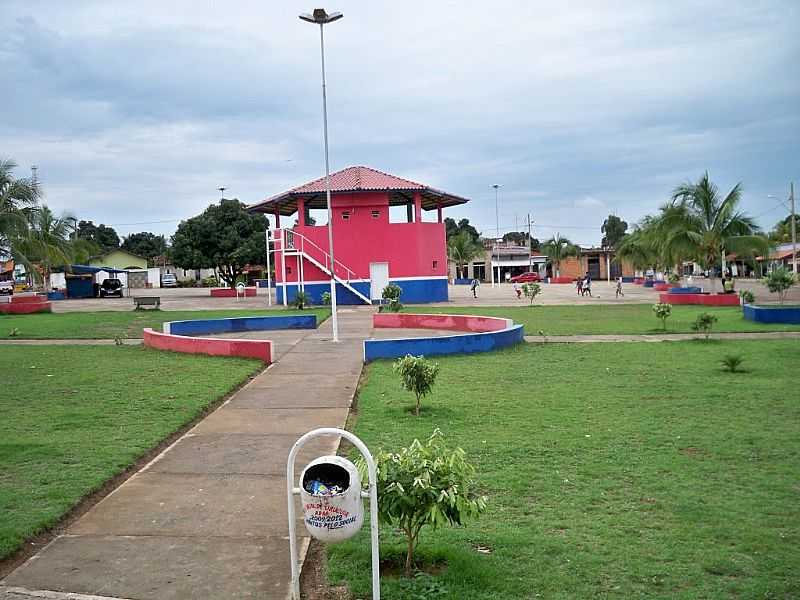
(225, 236)
(701, 224)
(520, 238)
(613, 231)
(145, 244)
(104, 236)
(45, 244)
(18, 199)
(558, 248)
(782, 232)
(463, 226)
(462, 249)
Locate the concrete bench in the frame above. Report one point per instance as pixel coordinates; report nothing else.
(140, 301)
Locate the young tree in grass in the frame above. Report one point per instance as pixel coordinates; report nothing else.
(424, 484)
(531, 290)
(663, 311)
(558, 248)
(417, 375)
(779, 281)
(703, 324)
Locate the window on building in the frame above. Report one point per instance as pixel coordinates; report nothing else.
(435, 264)
(376, 214)
(479, 271)
(345, 215)
(399, 214)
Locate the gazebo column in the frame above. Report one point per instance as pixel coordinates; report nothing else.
(439, 213)
(417, 207)
(301, 211)
(277, 219)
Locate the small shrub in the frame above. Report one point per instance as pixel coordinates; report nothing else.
(14, 332)
(747, 296)
(391, 296)
(663, 311)
(543, 335)
(424, 484)
(326, 298)
(674, 278)
(210, 282)
(703, 324)
(732, 362)
(531, 290)
(118, 341)
(779, 281)
(417, 375)
(301, 300)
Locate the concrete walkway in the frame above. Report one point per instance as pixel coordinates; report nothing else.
(667, 337)
(207, 518)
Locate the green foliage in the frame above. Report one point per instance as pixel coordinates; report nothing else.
(14, 332)
(103, 237)
(747, 296)
(425, 484)
(421, 587)
(778, 281)
(613, 231)
(225, 236)
(326, 298)
(453, 228)
(703, 323)
(145, 244)
(462, 249)
(732, 362)
(210, 281)
(531, 290)
(558, 248)
(417, 375)
(663, 311)
(391, 295)
(301, 300)
(674, 278)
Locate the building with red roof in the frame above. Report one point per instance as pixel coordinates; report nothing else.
(371, 248)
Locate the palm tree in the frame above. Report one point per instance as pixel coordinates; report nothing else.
(44, 245)
(700, 224)
(462, 248)
(558, 248)
(18, 198)
(637, 248)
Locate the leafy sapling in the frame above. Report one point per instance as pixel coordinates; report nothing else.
(779, 281)
(301, 300)
(391, 295)
(747, 296)
(703, 324)
(417, 375)
(424, 484)
(732, 362)
(326, 298)
(531, 290)
(663, 311)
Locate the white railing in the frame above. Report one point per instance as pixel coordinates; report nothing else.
(304, 244)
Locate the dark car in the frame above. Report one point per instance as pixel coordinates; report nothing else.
(110, 287)
(526, 278)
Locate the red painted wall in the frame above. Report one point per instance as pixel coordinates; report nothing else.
(260, 349)
(409, 248)
(231, 292)
(26, 307)
(471, 323)
(703, 299)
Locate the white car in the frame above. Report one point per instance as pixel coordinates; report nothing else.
(169, 280)
(7, 287)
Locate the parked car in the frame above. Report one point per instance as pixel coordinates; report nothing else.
(169, 280)
(110, 287)
(526, 278)
(7, 287)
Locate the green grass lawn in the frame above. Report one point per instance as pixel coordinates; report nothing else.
(110, 324)
(624, 474)
(608, 318)
(73, 417)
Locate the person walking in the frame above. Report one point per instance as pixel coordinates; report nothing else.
(587, 285)
(579, 286)
(474, 287)
(619, 288)
(517, 291)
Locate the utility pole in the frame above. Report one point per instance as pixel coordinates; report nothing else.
(530, 250)
(35, 174)
(794, 229)
(496, 187)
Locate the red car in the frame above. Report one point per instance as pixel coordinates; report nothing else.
(526, 278)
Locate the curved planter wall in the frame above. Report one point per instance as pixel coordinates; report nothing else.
(486, 334)
(206, 326)
(700, 299)
(772, 314)
(25, 305)
(231, 292)
(260, 349)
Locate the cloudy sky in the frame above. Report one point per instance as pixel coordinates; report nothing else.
(136, 112)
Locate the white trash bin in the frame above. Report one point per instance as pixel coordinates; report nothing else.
(336, 517)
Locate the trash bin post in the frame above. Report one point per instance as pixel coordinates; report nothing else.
(372, 493)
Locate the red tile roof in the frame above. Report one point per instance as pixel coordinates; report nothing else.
(357, 179)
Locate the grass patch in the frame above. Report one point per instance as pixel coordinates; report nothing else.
(110, 324)
(624, 474)
(609, 319)
(73, 417)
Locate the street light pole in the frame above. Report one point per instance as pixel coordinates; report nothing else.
(794, 229)
(321, 18)
(496, 187)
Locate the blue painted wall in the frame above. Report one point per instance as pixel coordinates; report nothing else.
(686, 290)
(772, 314)
(415, 291)
(204, 326)
(437, 346)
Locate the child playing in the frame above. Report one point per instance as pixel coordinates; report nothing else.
(619, 288)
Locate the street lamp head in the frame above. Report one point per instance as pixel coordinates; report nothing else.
(497, 185)
(320, 17)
